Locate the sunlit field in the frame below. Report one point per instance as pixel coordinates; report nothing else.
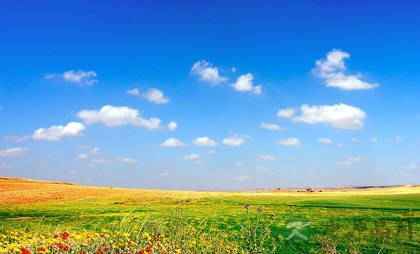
(46, 217)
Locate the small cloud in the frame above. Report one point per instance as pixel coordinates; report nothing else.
(191, 157)
(204, 141)
(325, 140)
(405, 175)
(345, 163)
(16, 138)
(331, 69)
(327, 151)
(134, 92)
(72, 172)
(286, 113)
(412, 167)
(310, 170)
(164, 174)
(5, 165)
(290, 142)
(241, 178)
(293, 173)
(207, 73)
(172, 126)
(341, 145)
(233, 141)
(100, 161)
(356, 159)
(55, 133)
(273, 127)
(237, 164)
(83, 78)
(155, 95)
(377, 169)
(374, 140)
(83, 156)
(263, 168)
(173, 142)
(288, 159)
(126, 160)
(398, 139)
(244, 84)
(233, 69)
(14, 152)
(199, 163)
(208, 152)
(266, 157)
(355, 140)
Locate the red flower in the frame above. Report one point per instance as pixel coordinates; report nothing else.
(61, 246)
(106, 249)
(41, 249)
(99, 252)
(55, 236)
(22, 249)
(64, 237)
(155, 238)
(66, 248)
(149, 249)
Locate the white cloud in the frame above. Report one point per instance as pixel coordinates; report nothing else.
(244, 84)
(273, 127)
(356, 159)
(233, 141)
(208, 152)
(355, 140)
(172, 126)
(191, 157)
(94, 151)
(345, 163)
(237, 164)
(5, 165)
(207, 73)
(55, 133)
(233, 69)
(126, 160)
(341, 145)
(374, 140)
(101, 161)
(263, 168)
(164, 174)
(325, 140)
(199, 163)
(398, 139)
(241, 178)
(286, 113)
(155, 95)
(14, 152)
(134, 92)
(289, 142)
(204, 141)
(266, 157)
(341, 116)
(116, 116)
(331, 69)
(173, 142)
(83, 78)
(16, 138)
(412, 167)
(83, 156)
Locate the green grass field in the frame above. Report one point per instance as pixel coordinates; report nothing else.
(339, 224)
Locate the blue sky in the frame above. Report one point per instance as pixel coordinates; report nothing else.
(210, 95)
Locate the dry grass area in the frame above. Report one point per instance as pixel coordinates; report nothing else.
(19, 190)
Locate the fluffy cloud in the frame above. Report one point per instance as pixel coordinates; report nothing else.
(289, 142)
(83, 78)
(155, 95)
(286, 113)
(208, 152)
(126, 160)
(191, 157)
(14, 152)
(241, 178)
(244, 84)
(237, 164)
(266, 157)
(233, 141)
(83, 156)
(331, 69)
(134, 92)
(172, 126)
(374, 140)
(5, 165)
(204, 141)
(341, 145)
(207, 73)
(325, 140)
(16, 138)
(412, 167)
(398, 139)
(101, 161)
(263, 168)
(355, 140)
(55, 133)
(116, 116)
(351, 160)
(341, 116)
(173, 142)
(345, 163)
(273, 127)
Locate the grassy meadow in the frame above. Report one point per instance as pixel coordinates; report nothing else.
(354, 221)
